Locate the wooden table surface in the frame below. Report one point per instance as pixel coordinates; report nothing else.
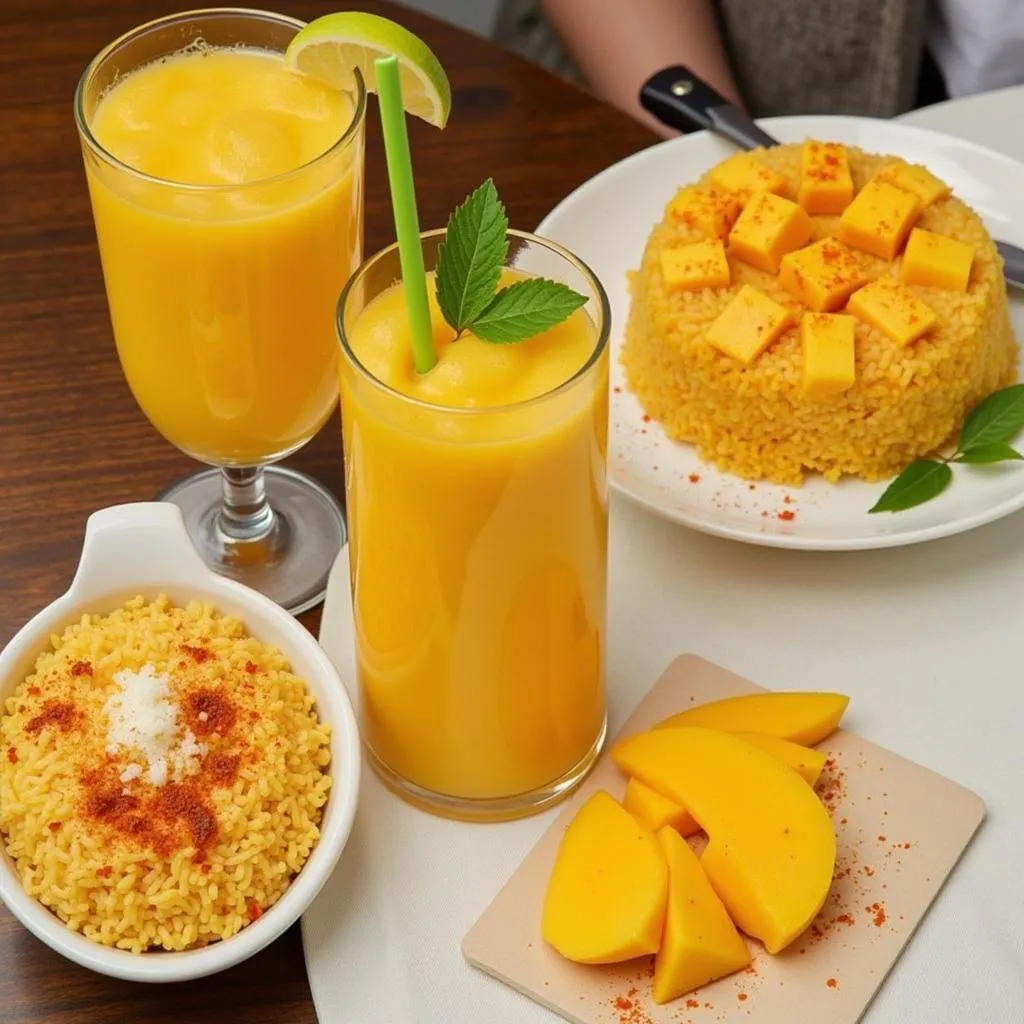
(73, 440)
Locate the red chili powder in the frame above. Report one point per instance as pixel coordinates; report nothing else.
(208, 712)
(62, 714)
(12, 755)
(198, 654)
(81, 668)
(832, 983)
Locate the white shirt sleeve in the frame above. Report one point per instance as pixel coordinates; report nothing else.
(977, 44)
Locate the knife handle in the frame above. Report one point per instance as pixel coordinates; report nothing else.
(682, 100)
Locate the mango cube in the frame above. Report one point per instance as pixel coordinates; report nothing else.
(879, 219)
(691, 267)
(748, 325)
(744, 174)
(828, 353)
(893, 309)
(825, 182)
(700, 943)
(914, 179)
(936, 261)
(710, 211)
(767, 229)
(823, 275)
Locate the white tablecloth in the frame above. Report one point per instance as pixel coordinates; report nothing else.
(929, 642)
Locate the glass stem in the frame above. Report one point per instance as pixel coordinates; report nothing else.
(245, 515)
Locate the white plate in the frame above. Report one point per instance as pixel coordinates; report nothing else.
(606, 222)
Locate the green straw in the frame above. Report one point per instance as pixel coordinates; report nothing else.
(407, 221)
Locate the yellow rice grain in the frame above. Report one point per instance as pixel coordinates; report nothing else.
(97, 881)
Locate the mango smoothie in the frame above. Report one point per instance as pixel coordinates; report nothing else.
(478, 526)
(224, 254)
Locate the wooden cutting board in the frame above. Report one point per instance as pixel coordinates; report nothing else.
(900, 829)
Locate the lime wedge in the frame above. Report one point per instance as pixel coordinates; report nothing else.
(330, 47)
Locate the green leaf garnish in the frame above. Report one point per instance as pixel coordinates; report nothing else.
(470, 258)
(983, 441)
(919, 482)
(526, 308)
(469, 265)
(985, 454)
(997, 418)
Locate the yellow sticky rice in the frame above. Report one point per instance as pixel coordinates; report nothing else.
(752, 421)
(115, 890)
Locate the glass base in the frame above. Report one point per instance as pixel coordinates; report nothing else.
(291, 563)
(508, 808)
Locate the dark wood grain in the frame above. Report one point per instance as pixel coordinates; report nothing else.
(73, 440)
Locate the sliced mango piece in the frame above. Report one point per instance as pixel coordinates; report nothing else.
(656, 812)
(879, 219)
(823, 275)
(807, 762)
(696, 266)
(659, 812)
(771, 850)
(767, 229)
(800, 717)
(936, 261)
(748, 325)
(700, 943)
(606, 897)
(744, 175)
(829, 367)
(893, 309)
(710, 211)
(915, 179)
(825, 182)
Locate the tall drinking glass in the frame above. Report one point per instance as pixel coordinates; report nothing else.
(478, 545)
(227, 198)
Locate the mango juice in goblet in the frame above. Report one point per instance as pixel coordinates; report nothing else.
(226, 194)
(478, 538)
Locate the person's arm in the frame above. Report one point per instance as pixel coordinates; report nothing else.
(619, 45)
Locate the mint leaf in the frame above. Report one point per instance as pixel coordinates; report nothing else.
(919, 482)
(995, 419)
(470, 258)
(526, 308)
(985, 454)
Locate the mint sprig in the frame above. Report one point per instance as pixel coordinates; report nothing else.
(470, 258)
(526, 308)
(469, 265)
(984, 440)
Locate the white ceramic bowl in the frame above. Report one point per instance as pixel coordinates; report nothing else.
(143, 549)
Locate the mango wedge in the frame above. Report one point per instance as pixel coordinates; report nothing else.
(606, 897)
(771, 850)
(805, 718)
(805, 761)
(658, 812)
(700, 943)
(655, 811)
